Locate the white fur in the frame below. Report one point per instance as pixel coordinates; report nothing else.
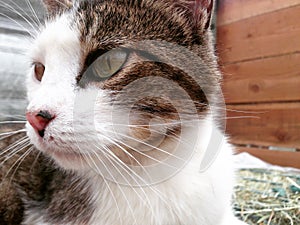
(187, 198)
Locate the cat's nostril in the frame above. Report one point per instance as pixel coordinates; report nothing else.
(39, 120)
(45, 114)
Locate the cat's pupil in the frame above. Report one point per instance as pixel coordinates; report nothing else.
(108, 62)
(39, 70)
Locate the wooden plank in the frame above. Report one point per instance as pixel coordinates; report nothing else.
(275, 124)
(280, 158)
(272, 34)
(230, 11)
(263, 80)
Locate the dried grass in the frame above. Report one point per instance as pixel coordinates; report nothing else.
(268, 197)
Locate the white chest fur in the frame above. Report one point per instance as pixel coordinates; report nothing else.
(188, 198)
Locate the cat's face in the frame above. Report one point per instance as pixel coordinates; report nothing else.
(106, 88)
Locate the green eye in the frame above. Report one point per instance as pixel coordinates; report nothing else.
(109, 63)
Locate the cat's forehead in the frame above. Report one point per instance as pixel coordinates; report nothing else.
(58, 35)
(109, 22)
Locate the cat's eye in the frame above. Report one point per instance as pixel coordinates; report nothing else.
(109, 63)
(39, 70)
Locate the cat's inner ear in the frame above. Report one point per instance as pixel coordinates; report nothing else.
(57, 6)
(200, 11)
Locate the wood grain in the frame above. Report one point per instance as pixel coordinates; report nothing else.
(263, 80)
(259, 47)
(267, 35)
(276, 124)
(280, 158)
(231, 11)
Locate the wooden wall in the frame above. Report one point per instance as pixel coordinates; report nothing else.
(258, 42)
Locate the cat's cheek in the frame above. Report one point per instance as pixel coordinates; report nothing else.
(31, 87)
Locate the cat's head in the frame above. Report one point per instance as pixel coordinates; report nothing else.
(116, 84)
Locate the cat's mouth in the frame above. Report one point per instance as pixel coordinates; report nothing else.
(53, 146)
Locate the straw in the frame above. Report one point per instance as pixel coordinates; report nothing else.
(268, 197)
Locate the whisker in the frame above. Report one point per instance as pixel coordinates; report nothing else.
(36, 159)
(158, 193)
(127, 169)
(151, 146)
(180, 121)
(126, 152)
(111, 140)
(16, 6)
(63, 4)
(14, 145)
(88, 158)
(110, 156)
(126, 104)
(242, 117)
(21, 26)
(131, 156)
(13, 153)
(14, 122)
(117, 184)
(173, 136)
(10, 8)
(38, 21)
(230, 110)
(19, 116)
(150, 157)
(122, 165)
(18, 162)
(9, 135)
(12, 132)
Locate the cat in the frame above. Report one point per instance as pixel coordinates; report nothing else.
(124, 102)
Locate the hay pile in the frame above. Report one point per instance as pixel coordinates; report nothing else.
(268, 197)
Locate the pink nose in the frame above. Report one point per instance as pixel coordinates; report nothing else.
(39, 120)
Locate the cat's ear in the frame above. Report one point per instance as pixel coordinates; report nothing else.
(200, 11)
(57, 6)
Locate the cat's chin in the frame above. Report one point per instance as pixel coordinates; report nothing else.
(67, 160)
